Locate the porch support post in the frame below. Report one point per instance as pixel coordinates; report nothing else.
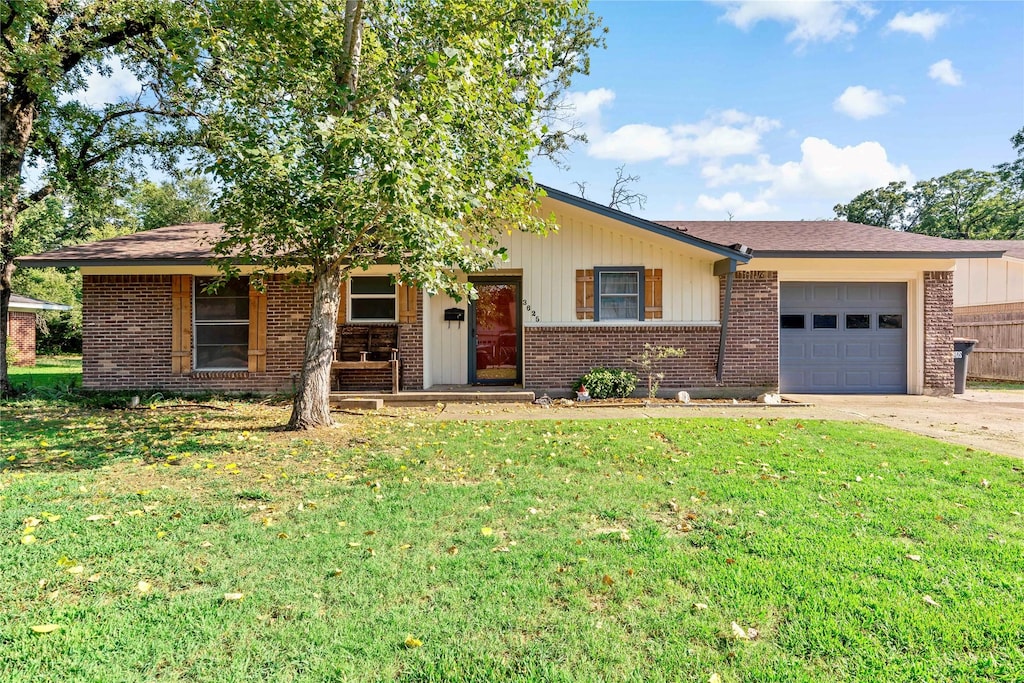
(725, 267)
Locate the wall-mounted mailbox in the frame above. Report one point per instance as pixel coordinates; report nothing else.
(454, 315)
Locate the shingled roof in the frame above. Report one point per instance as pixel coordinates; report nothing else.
(187, 244)
(816, 239)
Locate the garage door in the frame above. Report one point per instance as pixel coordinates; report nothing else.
(843, 337)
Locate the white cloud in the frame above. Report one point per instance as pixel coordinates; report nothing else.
(812, 20)
(924, 23)
(632, 142)
(943, 72)
(727, 133)
(860, 102)
(105, 88)
(733, 203)
(824, 171)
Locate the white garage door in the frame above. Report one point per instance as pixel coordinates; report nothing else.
(843, 337)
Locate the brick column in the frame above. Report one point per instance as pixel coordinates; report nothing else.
(938, 333)
(21, 336)
(752, 345)
(410, 349)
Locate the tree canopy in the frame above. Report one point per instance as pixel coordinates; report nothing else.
(88, 151)
(964, 204)
(384, 132)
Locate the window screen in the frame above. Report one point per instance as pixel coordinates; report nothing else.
(222, 324)
(619, 294)
(372, 298)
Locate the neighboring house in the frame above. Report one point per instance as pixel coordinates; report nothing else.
(988, 305)
(817, 306)
(21, 326)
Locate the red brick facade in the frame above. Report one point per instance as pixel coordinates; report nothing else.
(555, 357)
(21, 336)
(938, 333)
(126, 337)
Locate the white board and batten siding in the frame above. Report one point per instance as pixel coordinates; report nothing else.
(977, 282)
(548, 265)
(585, 240)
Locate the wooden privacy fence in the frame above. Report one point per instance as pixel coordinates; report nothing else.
(999, 329)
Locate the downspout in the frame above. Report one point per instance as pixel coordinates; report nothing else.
(725, 267)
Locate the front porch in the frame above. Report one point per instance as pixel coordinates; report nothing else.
(446, 393)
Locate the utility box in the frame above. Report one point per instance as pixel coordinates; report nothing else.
(961, 350)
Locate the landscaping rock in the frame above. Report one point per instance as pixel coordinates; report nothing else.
(683, 397)
(770, 398)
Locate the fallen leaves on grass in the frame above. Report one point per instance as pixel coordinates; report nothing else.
(915, 558)
(233, 597)
(411, 642)
(45, 628)
(737, 632)
(144, 587)
(930, 601)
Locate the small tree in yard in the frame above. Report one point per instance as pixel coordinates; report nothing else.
(649, 363)
(374, 131)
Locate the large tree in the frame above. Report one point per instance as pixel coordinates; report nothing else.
(384, 131)
(964, 204)
(48, 49)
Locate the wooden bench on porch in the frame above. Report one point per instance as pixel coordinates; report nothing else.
(367, 347)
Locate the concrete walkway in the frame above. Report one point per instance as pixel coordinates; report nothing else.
(982, 419)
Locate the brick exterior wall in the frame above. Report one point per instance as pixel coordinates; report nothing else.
(410, 349)
(21, 336)
(555, 357)
(126, 337)
(938, 333)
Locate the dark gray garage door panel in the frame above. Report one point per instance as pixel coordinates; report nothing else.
(853, 339)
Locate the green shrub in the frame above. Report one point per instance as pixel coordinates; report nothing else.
(608, 383)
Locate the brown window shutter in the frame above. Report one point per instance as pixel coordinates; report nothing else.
(181, 324)
(652, 294)
(257, 331)
(342, 303)
(584, 294)
(407, 299)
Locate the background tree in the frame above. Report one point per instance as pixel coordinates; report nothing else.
(384, 132)
(623, 196)
(48, 48)
(964, 204)
(58, 221)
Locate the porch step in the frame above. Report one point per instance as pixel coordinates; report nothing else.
(411, 398)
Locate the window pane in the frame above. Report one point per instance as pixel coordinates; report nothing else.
(858, 321)
(890, 321)
(238, 286)
(222, 334)
(232, 357)
(791, 322)
(222, 308)
(620, 283)
(372, 285)
(373, 309)
(826, 321)
(620, 307)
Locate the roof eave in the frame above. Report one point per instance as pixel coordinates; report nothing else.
(878, 254)
(643, 224)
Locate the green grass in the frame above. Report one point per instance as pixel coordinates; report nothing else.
(998, 385)
(555, 551)
(50, 373)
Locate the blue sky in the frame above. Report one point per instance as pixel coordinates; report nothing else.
(779, 110)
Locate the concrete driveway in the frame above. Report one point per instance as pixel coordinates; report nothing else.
(982, 419)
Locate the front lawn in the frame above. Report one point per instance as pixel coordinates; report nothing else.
(49, 373)
(200, 544)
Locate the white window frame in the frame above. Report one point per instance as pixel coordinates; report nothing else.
(600, 271)
(195, 331)
(351, 297)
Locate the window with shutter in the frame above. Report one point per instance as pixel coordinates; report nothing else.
(221, 319)
(620, 293)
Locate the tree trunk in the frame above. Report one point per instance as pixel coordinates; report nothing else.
(16, 119)
(312, 406)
